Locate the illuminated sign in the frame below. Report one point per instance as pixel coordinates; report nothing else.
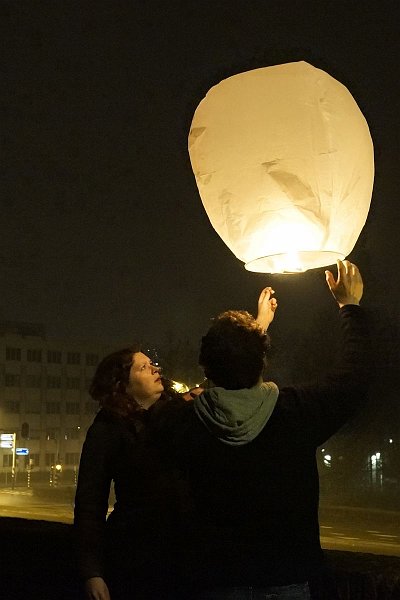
(22, 451)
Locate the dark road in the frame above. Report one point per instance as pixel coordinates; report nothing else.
(360, 530)
(342, 528)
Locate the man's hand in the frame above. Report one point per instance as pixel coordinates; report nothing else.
(266, 308)
(348, 287)
(96, 589)
(192, 393)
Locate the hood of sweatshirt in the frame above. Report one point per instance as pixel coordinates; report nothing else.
(236, 417)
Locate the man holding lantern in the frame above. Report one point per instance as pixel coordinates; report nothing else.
(249, 450)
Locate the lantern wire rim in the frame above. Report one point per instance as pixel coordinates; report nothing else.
(289, 263)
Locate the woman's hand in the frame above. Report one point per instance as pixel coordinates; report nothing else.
(266, 308)
(96, 589)
(348, 287)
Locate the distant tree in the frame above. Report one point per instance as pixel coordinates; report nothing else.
(179, 359)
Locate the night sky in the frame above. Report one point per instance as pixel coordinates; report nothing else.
(103, 234)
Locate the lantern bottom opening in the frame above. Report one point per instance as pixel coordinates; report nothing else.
(294, 262)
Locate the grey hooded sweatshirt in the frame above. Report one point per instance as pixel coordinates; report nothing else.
(236, 417)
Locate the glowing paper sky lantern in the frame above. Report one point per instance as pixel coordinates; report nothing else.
(283, 160)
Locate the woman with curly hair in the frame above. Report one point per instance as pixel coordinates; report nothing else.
(130, 554)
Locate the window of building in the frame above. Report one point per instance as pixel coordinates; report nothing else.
(50, 459)
(7, 460)
(53, 382)
(34, 434)
(13, 353)
(73, 358)
(92, 360)
(72, 458)
(34, 355)
(72, 408)
(35, 460)
(72, 433)
(52, 434)
(33, 407)
(12, 380)
(12, 406)
(54, 356)
(73, 383)
(33, 381)
(53, 408)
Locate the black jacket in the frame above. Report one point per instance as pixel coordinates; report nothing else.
(137, 539)
(255, 507)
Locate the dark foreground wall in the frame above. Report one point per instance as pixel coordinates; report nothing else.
(37, 562)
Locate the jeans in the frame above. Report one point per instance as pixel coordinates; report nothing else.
(296, 591)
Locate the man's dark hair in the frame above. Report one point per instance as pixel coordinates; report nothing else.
(232, 352)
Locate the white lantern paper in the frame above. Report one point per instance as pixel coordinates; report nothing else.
(283, 161)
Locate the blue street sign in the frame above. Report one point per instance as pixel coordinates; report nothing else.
(21, 451)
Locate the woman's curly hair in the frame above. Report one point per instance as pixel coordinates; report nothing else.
(109, 383)
(233, 351)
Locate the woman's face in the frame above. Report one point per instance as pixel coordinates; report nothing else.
(144, 384)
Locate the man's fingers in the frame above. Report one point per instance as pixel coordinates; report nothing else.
(266, 293)
(330, 280)
(349, 269)
(342, 268)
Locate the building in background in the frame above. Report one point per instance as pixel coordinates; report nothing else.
(44, 399)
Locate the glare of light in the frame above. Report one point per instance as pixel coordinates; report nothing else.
(290, 246)
(292, 262)
(390, 441)
(378, 455)
(179, 387)
(327, 460)
(59, 468)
